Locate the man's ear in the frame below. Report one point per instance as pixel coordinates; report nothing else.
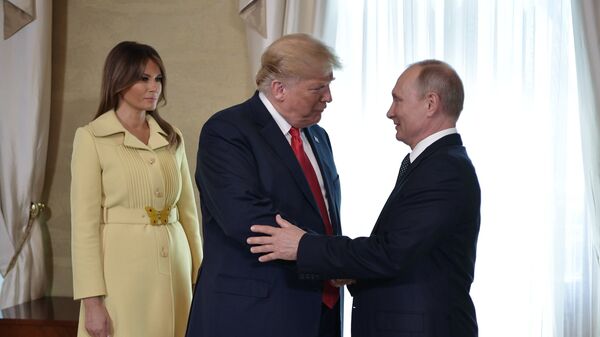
(432, 102)
(278, 90)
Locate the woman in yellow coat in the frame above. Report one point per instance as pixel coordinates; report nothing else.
(136, 244)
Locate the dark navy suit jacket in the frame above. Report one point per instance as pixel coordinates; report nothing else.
(415, 270)
(247, 173)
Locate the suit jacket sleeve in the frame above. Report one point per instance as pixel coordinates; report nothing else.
(86, 195)
(188, 213)
(228, 179)
(429, 208)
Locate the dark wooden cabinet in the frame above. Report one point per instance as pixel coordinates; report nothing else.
(45, 317)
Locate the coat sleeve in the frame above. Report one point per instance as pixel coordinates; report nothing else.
(86, 198)
(228, 179)
(188, 214)
(435, 208)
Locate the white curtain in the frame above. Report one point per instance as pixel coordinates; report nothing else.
(520, 126)
(586, 19)
(25, 66)
(267, 20)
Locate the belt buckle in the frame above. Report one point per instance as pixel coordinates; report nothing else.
(158, 217)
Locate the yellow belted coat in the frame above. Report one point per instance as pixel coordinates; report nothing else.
(119, 187)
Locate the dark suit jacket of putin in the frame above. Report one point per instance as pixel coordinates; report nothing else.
(247, 173)
(415, 270)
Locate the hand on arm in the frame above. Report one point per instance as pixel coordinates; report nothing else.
(282, 243)
(97, 320)
(279, 243)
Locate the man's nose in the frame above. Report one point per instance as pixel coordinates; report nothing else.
(327, 95)
(390, 112)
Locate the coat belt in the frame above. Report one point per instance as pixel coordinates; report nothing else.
(140, 216)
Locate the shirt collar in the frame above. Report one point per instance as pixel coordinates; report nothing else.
(425, 143)
(281, 122)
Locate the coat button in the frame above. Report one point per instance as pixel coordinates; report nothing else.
(158, 194)
(164, 252)
(151, 161)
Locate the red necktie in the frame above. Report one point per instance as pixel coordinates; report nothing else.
(330, 293)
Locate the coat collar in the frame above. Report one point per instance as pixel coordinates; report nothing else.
(108, 124)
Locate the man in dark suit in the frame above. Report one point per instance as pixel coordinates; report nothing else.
(414, 273)
(253, 160)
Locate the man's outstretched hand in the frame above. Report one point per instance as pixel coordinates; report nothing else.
(278, 243)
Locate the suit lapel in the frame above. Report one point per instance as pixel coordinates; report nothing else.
(271, 132)
(320, 151)
(449, 140)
